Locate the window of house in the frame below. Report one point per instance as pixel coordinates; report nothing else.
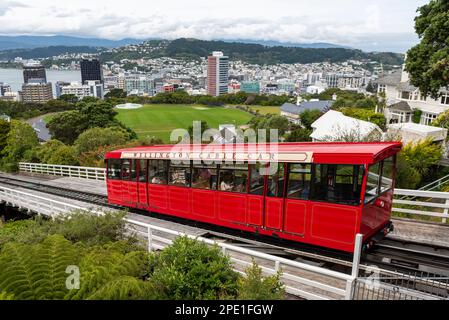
(405, 95)
(299, 177)
(233, 178)
(142, 170)
(204, 177)
(179, 175)
(445, 99)
(157, 171)
(114, 166)
(428, 118)
(337, 183)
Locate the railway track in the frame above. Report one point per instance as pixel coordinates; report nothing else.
(392, 257)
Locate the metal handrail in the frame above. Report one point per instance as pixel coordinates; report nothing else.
(64, 170)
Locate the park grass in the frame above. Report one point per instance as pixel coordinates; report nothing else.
(266, 110)
(159, 120)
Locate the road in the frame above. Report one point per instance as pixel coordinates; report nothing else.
(39, 126)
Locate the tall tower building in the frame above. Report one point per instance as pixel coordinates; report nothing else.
(35, 88)
(217, 74)
(34, 73)
(91, 70)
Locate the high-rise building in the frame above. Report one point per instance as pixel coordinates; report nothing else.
(4, 88)
(34, 73)
(217, 74)
(91, 70)
(37, 92)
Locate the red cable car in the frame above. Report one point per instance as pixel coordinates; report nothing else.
(321, 194)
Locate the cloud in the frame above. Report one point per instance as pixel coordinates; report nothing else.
(378, 25)
(6, 6)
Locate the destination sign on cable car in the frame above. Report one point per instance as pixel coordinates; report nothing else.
(305, 157)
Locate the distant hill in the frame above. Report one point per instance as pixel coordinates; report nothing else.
(268, 53)
(28, 42)
(314, 45)
(253, 53)
(45, 52)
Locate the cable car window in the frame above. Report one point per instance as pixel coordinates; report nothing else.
(340, 184)
(133, 170)
(114, 169)
(179, 175)
(299, 176)
(276, 181)
(142, 170)
(204, 177)
(257, 179)
(126, 169)
(157, 171)
(372, 182)
(233, 178)
(386, 180)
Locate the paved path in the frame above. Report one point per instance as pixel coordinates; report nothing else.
(39, 126)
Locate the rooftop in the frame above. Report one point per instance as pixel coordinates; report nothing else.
(323, 152)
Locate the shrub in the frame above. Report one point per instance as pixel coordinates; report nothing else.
(255, 287)
(191, 270)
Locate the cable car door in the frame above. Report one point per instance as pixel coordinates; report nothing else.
(274, 196)
(142, 183)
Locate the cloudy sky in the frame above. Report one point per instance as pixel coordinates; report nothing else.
(368, 24)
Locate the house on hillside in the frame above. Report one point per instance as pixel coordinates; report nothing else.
(335, 126)
(413, 132)
(292, 111)
(403, 98)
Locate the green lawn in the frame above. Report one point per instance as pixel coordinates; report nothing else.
(266, 110)
(159, 120)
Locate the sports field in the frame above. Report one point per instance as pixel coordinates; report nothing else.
(266, 110)
(159, 120)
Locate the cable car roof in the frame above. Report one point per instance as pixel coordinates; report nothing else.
(301, 152)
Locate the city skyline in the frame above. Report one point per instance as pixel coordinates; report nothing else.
(372, 25)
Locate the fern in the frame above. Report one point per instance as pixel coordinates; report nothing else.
(6, 296)
(124, 288)
(101, 268)
(37, 271)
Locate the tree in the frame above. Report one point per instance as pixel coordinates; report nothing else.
(20, 138)
(71, 98)
(299, 135)
(5, 126)
(204, 127)
(116, 93)
(428, 61)
(98, 113)
(94, 138)
(308, 117)
(416, 117)
(52, 152)
(271, 122)
(442, 120)
(67, 126)
(422, 155)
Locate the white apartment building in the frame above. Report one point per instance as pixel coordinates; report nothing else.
(90, 89)
(403, 99)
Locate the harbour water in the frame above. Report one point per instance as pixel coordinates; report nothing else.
(14, 77)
